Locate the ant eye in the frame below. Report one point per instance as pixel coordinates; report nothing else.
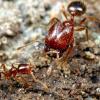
(76, 8)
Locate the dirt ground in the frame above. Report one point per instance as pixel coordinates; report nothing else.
(25, 21)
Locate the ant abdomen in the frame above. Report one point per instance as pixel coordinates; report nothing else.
(76, 8)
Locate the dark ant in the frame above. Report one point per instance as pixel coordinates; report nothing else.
(22, 69)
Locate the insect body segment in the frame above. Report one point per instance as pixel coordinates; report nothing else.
(76, 8)
(58, 36)
(16, 72)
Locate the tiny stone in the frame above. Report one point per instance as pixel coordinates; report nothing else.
(83, 67)
(89, 44)
(96, 51)
(89, 55)
(10, 33)
(89, 98)
(98, 91)
(97, 42)
(44, 75)
(39, 94)
(4, 40)
(50, 95)
(66, 76)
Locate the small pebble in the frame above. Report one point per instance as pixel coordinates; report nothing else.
(97, 51)
(4, 40)
(98, 91)
(10, 33)
(89, 44)
(97, 42)
(89, 55)
(90, 98)
(83, 67)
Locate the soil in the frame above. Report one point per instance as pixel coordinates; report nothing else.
(76, 79)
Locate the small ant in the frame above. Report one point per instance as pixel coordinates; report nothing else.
(60, 37)
(22, 69)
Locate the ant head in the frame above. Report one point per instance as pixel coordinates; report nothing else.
(76, 8)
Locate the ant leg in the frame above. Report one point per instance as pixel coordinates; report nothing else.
(25, 45)
(62, 62)
(67, 53)
(81, 28)
(64, 12)
(13, 71)
(22, 80)
(49, 70)
(53, 21)
(86, 31)
(34, 78)
(5, 72)
(45, 51)
(2, 73)
(82, 21)
(54, 52)
(92, 18)
(38, 81)
(4, 67)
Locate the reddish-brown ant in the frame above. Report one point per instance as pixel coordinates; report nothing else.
(60, 37)
(22, 69)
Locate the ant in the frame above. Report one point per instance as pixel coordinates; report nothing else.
(60, 37)
(22, 69)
